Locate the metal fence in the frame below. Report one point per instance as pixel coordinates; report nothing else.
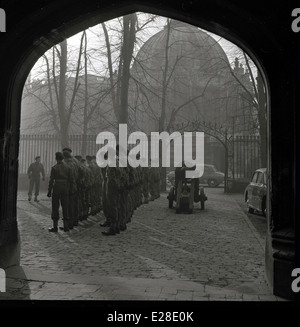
(46, 146)
(247, 156)
(246, 151)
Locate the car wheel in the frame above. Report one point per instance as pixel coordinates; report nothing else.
(264, 207)
(250, 210)
(212, 183)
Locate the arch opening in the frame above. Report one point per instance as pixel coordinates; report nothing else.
(25, 67)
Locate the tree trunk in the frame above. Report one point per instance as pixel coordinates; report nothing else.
(129, 25)
(64, 123)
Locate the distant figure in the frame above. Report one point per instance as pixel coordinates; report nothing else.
(34, 173)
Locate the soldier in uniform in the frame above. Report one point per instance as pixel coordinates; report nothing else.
(87, 189)
(80, 188)
(130, 196)
(139, 188)
(93, 193)
(60, 180)
(73, 196)
(34, 174)
(113, 198)
(145, 171)
(98, 186)
(105, 201)
(152, 182)
(157, 183)
(123, 192)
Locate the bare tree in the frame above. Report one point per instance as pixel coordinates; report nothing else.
(253, 93)
(119, 78)
(53, 91)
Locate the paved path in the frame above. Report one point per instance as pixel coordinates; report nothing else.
(215, 254)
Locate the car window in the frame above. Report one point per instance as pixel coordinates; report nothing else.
(254, 178)
(260, 178)
(214, 169)
(208, 169)
(265, 178)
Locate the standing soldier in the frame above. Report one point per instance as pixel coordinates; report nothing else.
(98, 186)
(60, 180)
(80, 188)
(87, 189)
(34, 173)
(73, 201)
(105, 200)
(136, 187)
(130, 197)
(145, 171)
(157, 183)
(152, 178)
(123, 191)
(93, 195)
(140, 183)
(113, 198)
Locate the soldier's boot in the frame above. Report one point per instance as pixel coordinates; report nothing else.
(70, 224)
(111, 231)
(54, 229)
(146, 199)
(105, 224)
(65, 228)
(29, 197)
(123, 226)
(36, 199)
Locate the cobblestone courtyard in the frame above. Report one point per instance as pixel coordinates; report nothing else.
(215, 254)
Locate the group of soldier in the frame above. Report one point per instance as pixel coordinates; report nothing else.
(83, 188)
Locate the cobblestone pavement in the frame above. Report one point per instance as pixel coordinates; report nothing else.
(215, 254)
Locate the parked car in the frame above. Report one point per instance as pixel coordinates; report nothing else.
(256, 192)
(211, 176)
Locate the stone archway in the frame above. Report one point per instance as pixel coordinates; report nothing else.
(34, 27)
